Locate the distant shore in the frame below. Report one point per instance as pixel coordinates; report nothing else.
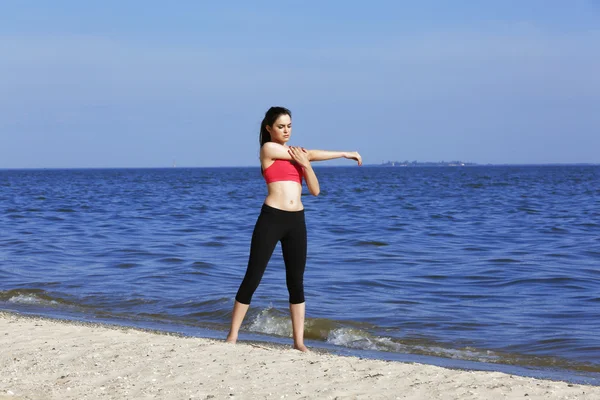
(50, 359)
(471, 164)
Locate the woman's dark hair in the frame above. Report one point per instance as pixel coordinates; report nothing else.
(270, 117)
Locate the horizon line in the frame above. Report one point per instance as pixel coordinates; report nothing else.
(419, 164)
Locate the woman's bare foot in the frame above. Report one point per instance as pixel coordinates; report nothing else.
(231, 339)
(301, 347)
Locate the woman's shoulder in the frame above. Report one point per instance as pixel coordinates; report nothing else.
(272, 146)
(273, 151)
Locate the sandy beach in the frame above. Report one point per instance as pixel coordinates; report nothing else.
(51, 359)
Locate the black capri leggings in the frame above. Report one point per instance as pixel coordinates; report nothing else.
(275, 225)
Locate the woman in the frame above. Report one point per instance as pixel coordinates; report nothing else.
(281, 217)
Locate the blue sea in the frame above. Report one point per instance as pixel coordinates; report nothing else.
(483, 267)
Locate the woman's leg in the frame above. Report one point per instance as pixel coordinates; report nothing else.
(293, 245)
(297, 312)
(264, 240)
(239, 312)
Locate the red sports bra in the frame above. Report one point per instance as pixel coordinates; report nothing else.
(283, 170)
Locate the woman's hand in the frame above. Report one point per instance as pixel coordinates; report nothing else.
(353, 155)
(300, 156)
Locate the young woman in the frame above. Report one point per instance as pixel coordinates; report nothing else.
(282, 217)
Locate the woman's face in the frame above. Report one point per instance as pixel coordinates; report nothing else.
(281, 130)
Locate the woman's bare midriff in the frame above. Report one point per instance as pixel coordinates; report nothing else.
(285, 195)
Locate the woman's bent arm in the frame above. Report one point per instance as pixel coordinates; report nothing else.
(301, 157)
(311, 181)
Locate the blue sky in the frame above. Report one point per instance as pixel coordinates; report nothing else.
(146, 83)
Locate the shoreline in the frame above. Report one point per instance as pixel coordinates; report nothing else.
(573, 376)
(45, 358)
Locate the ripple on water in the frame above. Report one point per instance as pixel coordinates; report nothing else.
(471, 248)
(171, 260)
(372, 243)
(475, 185)
(503, 260)
(201, 266)
(441, 234)
(213, 244)
(126, 265)
(441, 216)
(556, 230)
(528, 210)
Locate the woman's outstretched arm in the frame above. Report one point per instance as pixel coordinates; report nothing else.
(322, 155)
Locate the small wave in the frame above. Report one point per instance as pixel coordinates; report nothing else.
(31, 297)
(271, 322)
(358, 339)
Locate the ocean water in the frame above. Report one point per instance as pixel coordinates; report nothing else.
(490, 264)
